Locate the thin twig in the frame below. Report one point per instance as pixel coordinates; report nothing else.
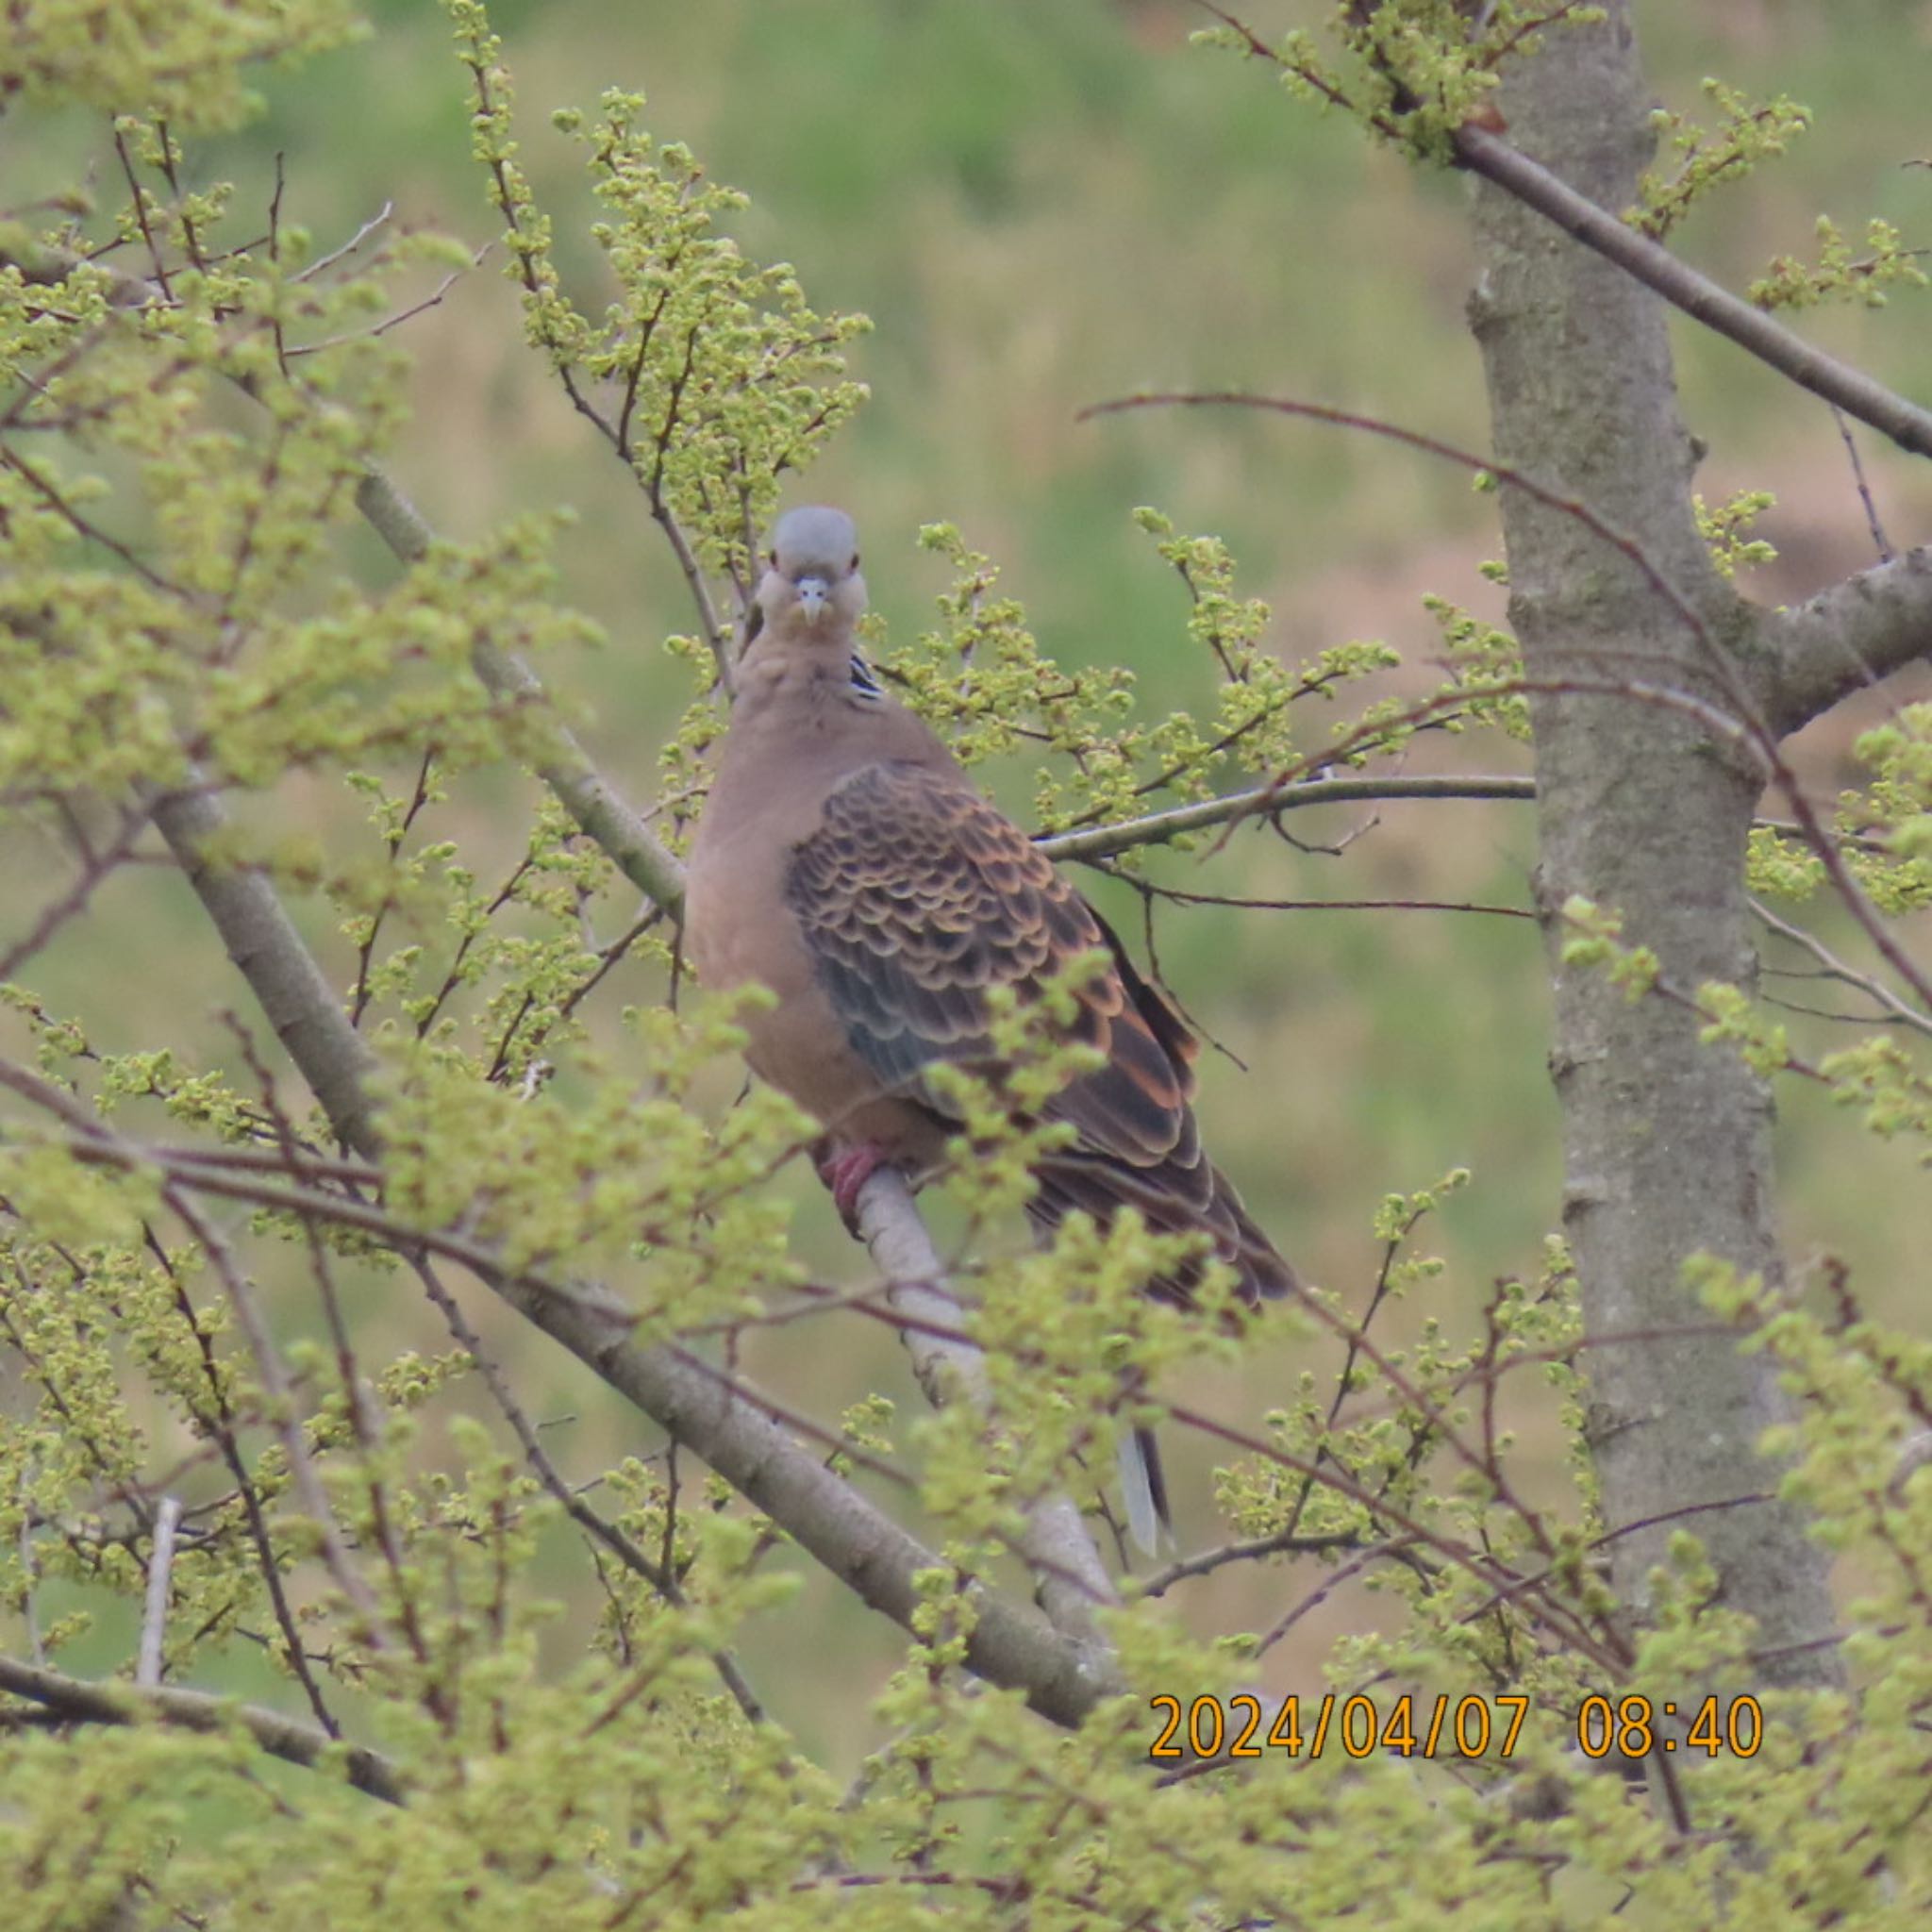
(219, 1421)
(1604, 1650)
(51, 495)
(282, 1412)
(432, 300)
(140, 207)
(96, 863)
(1871, 522)
(1282, 1543)
(1325, 1589)
(357, 1403)
(1176, 895)
(29, 1568)
(1835, 968)
(324, 263)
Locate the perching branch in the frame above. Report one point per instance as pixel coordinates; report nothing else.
(1072, 1580)
(161, 1575)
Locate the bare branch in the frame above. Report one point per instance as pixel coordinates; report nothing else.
(1832, 967)
(1857, 631)
(1509, 168)
(1176, 895)
(432, 300)
(321, 264)
(1103, 841)
(1880, 542)
(1282, 1543)
(298, 1001)
(1850, 389)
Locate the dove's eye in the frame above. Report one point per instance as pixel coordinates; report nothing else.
(855, 560)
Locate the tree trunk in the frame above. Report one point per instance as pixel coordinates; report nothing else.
(1642, 809)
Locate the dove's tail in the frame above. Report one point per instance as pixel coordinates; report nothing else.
(1143, 1484)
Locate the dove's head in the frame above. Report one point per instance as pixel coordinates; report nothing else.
(812, 593)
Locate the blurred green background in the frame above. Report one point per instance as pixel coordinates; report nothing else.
(1041, 206)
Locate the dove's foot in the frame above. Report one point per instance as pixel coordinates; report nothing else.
(845, 1172)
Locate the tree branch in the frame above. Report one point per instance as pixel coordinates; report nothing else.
(1831, 967)
(1853, 634)
(1858, 630)
(81, 1702)
(1508, 167)
(1103, 841)
(1719, 655)
(1072, 1579)
(290, 987)
(1850, 389)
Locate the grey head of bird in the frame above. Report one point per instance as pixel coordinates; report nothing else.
(812, 593)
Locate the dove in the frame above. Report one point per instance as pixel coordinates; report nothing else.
(847, 863)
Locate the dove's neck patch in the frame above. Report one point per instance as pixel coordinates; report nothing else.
(864, 679)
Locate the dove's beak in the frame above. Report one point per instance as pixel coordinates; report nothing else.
(814, 593)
